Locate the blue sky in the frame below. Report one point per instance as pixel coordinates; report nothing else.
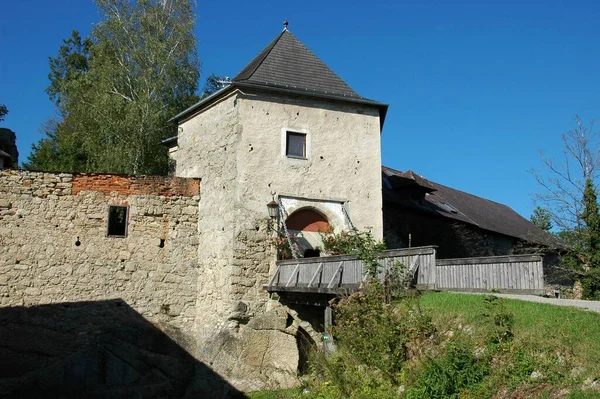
(475, 88)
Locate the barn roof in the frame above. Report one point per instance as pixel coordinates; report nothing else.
(454, 204)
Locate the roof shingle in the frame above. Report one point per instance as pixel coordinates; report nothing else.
(287, 63)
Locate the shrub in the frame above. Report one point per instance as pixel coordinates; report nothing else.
(498, 320)
(282, 244)
(377, 333)
(358, 243)
(342, 376)
(448, 375)
(590, 283)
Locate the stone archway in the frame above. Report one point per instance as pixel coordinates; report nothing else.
(308, 225)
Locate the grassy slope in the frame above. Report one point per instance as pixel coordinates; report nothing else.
(539, 329)
(538, 325)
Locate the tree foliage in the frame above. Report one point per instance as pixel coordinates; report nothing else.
(590, 234)
(361, 244)
(542, 218)
(3, 112)
(212, 85)
(116, 90)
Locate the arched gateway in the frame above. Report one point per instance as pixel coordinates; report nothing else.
(308, 226)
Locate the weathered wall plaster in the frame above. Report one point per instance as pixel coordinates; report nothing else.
(235, 146)
(54, 246)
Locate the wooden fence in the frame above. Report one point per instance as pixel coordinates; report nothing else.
(516, 274)
(332, 274)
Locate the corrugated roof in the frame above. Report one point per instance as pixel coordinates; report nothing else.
(288, 63)
(483, 213)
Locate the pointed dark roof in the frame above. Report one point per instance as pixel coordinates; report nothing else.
(288, 63)
(468, 208)
(288, 66)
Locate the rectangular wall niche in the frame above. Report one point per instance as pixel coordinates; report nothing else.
(117, 221)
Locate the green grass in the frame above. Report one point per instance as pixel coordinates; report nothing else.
(283, 394)
(540, 326)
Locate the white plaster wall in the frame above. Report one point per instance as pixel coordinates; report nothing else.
(207, 146)
(344, 160)
(235, 146)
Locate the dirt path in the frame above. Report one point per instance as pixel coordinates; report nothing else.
(594, 306)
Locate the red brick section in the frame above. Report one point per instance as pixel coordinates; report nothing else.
(136, 185)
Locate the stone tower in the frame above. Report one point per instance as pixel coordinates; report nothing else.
(285, 126)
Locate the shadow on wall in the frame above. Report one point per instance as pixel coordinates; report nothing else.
(100, 349)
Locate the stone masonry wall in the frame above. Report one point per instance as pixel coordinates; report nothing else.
(54, 246)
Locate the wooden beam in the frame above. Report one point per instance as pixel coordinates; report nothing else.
(275, 275)
(337, 272)
(294, 273)
(317, 273)
(413, 263)
(327, 322)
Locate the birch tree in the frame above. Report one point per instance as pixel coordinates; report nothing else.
(116, 90)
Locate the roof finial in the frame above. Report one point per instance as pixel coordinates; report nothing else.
(285, 24)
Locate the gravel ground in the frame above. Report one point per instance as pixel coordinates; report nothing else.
(594, 306)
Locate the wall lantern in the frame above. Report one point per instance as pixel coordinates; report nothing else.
(273, 208)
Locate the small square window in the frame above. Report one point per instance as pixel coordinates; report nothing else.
(117, 221)
(295, 145)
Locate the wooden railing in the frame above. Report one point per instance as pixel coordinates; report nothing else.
(514, 273)
(331, 274)
(334, 274)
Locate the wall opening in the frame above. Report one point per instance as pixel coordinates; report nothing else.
(295, 145)
(117, 221)
(309, 226)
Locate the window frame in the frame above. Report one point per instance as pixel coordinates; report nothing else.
(289, 134)
(108, 218)
(285, 134)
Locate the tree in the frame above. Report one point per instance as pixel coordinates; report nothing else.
(117, 89)
(3, 112)
(542, 218)
(62, 148)
(212, 85)
(71, 64)
(590, 235)
(571, 196)
(564, 183)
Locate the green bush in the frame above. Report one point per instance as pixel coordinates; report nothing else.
(448, 375)
(591, 284)
(340, 376)
(358, 243)
(378, 333)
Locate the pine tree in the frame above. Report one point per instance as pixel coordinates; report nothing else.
(590, 235)
(542, 218)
